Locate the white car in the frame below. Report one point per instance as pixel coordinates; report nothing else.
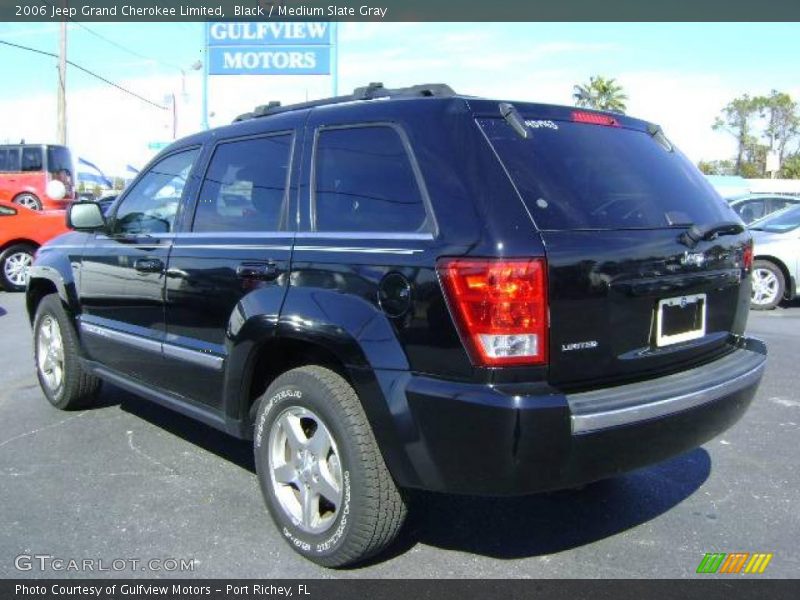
(777, 258)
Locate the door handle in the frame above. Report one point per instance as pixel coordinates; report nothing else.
(148, 265)
(260, 271)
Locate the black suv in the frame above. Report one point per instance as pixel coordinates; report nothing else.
(411, 289)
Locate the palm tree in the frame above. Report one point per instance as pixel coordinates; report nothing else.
(601, 94)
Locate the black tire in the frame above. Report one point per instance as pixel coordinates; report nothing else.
(28, 200)
(13, 253)
(77, 389)
(778, 290)
(372, 509)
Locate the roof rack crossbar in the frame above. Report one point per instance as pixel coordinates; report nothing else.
(370, 92)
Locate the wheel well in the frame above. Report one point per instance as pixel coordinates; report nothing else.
(787, 278)
(38, 289)
(277, 357)
(28, 192)
(19, 241)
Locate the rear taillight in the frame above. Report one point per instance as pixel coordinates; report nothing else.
(591, 118)
(747, 256)
(500, 308)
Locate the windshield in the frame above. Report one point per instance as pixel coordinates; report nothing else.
(779, 222)
(581, 176)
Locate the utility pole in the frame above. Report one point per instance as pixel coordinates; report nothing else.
(62, 83)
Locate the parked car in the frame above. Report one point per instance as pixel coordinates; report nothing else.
(22, 231)
(26, 170)
(757, 206)
(777, 258)
(430, 291)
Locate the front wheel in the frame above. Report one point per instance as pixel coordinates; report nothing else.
(15, 261)
(321, 472)
(768, 285)
(56, 352)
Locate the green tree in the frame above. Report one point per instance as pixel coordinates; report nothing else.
(716, 167)
(600, 94)
(782, 120)
(737, 119)
(790, 169)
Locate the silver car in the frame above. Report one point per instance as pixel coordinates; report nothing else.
(777, 258)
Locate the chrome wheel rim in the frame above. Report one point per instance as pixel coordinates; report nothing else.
(305, 469)
(16, 268)
(50, 353)
(765, 287)
(28, 201)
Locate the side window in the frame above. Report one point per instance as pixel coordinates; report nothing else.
(152, 203)
(9, 160)
(32, 159)
(245, 186)
(750, 211)
(363, 181)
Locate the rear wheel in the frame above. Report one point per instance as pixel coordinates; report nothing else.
(64, 382)
(28, 200)
(15, 261)
(768, 285)
(321, 471)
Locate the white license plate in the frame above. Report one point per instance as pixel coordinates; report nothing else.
(680, 319)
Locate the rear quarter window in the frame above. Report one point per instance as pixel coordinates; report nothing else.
(364, 181)
(584, 176)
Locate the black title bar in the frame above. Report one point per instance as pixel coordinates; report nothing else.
(399, 10)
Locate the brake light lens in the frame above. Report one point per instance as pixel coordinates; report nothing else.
(747, 256)
(500, 308)
(591, 118)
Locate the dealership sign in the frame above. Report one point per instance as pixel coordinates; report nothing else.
(269, 48)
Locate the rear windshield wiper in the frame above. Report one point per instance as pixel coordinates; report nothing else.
(698, 233)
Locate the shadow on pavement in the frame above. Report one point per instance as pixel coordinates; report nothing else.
(238, 452)
(504, 528)
(509, 528)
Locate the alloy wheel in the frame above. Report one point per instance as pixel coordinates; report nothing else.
(16, 268)
(305, 468)
(50, 353)
(765, 287)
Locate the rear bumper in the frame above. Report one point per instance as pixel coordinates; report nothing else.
(509, 440)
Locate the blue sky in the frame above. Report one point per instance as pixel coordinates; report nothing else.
(679, 75)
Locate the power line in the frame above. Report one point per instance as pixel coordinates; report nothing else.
(88, 72)
(116, 44)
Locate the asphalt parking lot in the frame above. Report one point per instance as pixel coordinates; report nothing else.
(132, 480)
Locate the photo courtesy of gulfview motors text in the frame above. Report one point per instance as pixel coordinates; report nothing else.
(260, 590)
(296, 296)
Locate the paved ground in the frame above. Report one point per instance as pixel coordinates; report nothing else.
(132, 480)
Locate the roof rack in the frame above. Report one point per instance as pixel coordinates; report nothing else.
(369, 92)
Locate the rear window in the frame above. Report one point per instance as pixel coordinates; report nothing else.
(581, 176)
(59, 161)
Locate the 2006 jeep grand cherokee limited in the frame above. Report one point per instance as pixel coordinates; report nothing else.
(411, 289)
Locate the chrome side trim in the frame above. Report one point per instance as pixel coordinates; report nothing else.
(230, 247)
(362, 235)
(136, 341)
(358, 250)
(584, 423)
(203, 359)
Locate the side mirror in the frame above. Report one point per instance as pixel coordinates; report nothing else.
(86, 216)
(56, 189)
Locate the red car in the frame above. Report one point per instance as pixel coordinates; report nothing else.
(26, 169)
(22, 231)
